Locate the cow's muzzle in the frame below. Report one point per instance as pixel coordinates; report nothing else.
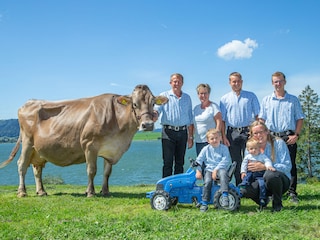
(146, 126)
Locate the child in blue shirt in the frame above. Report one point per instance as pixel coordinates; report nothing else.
(216, 158)
(253, 154)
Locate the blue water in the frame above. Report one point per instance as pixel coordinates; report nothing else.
(141, 164)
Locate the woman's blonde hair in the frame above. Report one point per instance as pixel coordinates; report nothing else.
(269, 138)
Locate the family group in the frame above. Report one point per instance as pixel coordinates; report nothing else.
(260, 138)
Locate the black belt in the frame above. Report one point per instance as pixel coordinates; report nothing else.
(282, 134)
(175, 128)
(240, 129)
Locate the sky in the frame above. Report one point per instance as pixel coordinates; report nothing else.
(70, 49)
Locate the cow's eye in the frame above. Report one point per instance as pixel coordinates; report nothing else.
(135, 105)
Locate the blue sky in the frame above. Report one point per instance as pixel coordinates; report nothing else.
(64, 49)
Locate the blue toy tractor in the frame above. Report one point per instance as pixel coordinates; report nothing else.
(182, 188)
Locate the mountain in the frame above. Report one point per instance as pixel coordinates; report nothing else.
(9, 128)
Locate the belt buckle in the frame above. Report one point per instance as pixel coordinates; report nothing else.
(176, 128)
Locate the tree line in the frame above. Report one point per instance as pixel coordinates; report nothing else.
(308, 154)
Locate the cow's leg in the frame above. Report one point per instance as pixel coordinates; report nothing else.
(91, 159)
(37, 172)
(23, 164)
(106, 174)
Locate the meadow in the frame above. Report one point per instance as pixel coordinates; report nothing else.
(67, 214)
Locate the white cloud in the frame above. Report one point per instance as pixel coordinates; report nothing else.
(237, 49)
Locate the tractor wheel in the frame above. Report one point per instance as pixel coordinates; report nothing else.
(234, 200)
(160, 200)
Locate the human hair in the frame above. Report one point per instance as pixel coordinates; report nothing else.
(252, 143)
(278, 74)
(204, 85)
(270, 139)
(213, 131)
(235, 74)
(177, 75)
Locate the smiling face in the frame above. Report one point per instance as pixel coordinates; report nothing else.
(214, 139)
(176, 82)
(260, 133)
(278, 83)
(203, 94)
(253, 149)
(235, 83)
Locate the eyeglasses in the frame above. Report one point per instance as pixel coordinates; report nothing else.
(258, 133)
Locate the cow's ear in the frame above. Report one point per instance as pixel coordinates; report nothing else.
(160, 100)
(124, 100)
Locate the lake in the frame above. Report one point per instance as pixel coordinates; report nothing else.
(141, 164)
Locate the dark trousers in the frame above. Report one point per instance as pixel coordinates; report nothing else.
(237, 148)
(294, 178)
(174, 145)
(277, 183)
(253, 176)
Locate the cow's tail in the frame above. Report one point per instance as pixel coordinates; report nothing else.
(12, 154)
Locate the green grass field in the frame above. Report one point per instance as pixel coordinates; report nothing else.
(67, 214)
(147, 136)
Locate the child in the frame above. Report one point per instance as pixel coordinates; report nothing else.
(216, 158)
(253, 154)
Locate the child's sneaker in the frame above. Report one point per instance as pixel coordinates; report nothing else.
(263, 202)
(204, 208)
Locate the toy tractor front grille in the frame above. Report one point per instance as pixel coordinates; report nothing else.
(159, 187)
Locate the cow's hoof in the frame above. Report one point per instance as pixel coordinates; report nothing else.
(42, 193)
(105, 194)
(90, 194)
(21, 194)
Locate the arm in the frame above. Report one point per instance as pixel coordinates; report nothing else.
(190, 135)
(218, 120)
(225, 160)
(223, 134)
(294, 138)
(256, 166)
(283, 161)
(268, 163)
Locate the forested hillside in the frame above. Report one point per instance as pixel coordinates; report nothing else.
(9, 130)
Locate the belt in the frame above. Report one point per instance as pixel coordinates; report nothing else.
(240, 129)
(281, 134)
(175, 128)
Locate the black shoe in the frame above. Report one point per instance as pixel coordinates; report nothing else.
(277, 208)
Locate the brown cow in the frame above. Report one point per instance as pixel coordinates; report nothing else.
(77, 131)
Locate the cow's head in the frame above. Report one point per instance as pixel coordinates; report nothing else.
(142, 102)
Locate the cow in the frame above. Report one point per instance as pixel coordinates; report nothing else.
(79, 131)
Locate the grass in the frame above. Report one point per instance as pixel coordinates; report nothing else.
(67, 214)
(147, 136)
